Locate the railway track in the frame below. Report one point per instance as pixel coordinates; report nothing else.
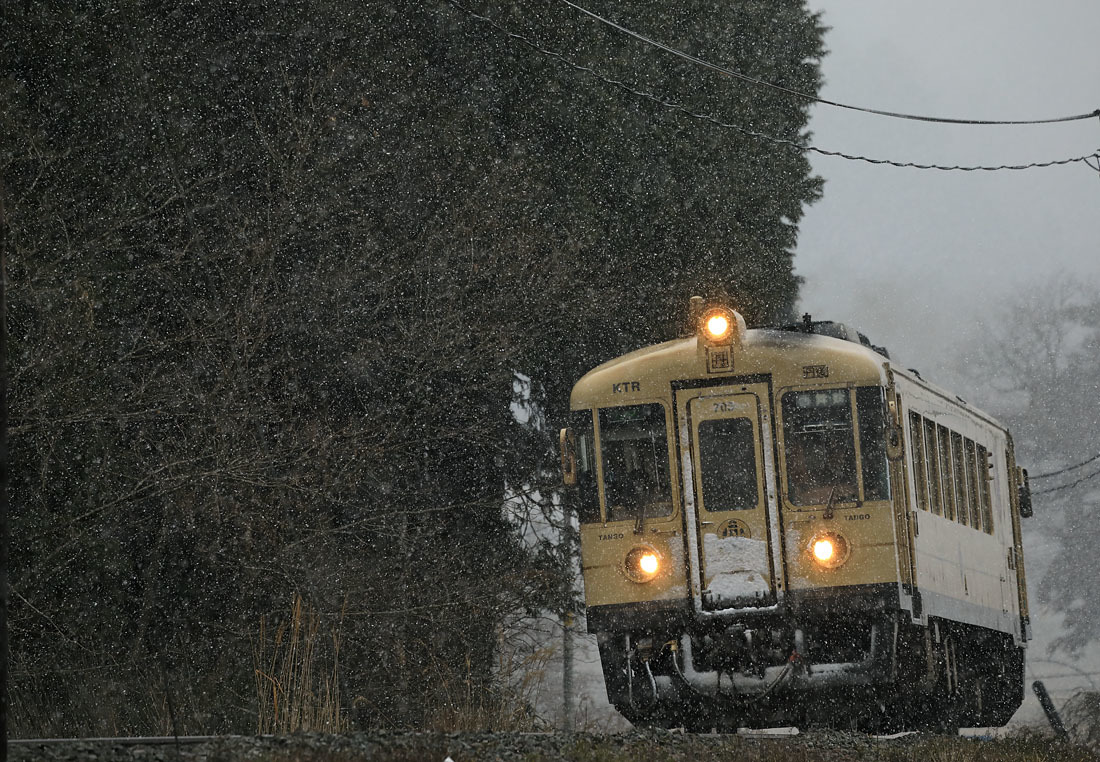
(750, 746)
(123, 741)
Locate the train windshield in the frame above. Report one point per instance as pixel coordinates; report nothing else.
(727, 449)
(871, 408)
(588, 498)
(819, 446)
(634, 448)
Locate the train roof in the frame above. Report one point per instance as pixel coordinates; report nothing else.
(773, 351)
(783, 352)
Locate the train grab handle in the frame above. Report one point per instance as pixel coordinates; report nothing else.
(568, 448)
(894, 449)
(1023, 488)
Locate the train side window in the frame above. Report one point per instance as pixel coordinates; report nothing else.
(983, 490)
(819, 447)
(932, 461)
(962, 495)
(920, 478)
(972, 485)
(727, 451)
(948, 486)
(588, 494)
(634, 447)
(871, 409)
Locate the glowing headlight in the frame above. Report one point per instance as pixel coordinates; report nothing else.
(829, 549)
(642, 564)
(823, 550)
(718, 326)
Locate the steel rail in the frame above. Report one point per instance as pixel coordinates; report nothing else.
(126, 740)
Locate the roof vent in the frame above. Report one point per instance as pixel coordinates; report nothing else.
(835, 330)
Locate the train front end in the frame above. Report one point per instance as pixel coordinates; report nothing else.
(739, 540)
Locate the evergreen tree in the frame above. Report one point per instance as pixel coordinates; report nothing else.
(274, 268)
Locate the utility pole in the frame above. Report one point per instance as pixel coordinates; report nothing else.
(3, 479)
(567, 671)
(1050, 710)
(571, 546)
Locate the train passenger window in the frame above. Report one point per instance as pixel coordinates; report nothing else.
(932, 466)
(634, 446)
(948, 482)
(983, 490)
(819, 447)
(588, 494)
(920, 477)
(871, 408)
(727, 451)
(972, 485)
(962, 494)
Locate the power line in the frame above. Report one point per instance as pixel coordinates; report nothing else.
(1069, 485)
(763, 136)
(1054, 677)
(1095, 114)
(1064, 470)
(1079, 672)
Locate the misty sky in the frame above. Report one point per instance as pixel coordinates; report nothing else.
(913, 257)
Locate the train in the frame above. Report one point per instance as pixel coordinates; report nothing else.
(778, 527)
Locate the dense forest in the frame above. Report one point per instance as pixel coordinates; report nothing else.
(278, 273)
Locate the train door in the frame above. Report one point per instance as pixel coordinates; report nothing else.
(900, 456)
(733, 486)
(1003, 530)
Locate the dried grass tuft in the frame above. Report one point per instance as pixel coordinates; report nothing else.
(297, 675)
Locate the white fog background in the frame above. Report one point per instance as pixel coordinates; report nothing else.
(918, 257)
(919, 260)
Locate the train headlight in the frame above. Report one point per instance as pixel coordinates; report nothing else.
(717, 324)
(642, 564)
(824, 549)
(829, 549)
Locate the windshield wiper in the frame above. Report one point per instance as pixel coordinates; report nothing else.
(829, 504)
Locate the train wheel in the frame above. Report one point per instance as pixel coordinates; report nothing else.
(973, 694)
(875, 715)
(698, 725)
(949, 689)
(1004, 687)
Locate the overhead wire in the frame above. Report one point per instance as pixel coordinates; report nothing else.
(1064, 675)
(1094, 114)
(1060, 471)
(1065, 665)
(799, 146)
(1069, 485)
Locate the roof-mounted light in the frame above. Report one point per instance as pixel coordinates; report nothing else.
(721, 325)
(717, 326)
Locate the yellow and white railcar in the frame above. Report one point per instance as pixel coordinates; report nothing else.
(778, 527)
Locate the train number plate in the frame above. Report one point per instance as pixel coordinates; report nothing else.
(719, 359)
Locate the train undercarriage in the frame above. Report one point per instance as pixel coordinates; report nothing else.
(807, 665)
